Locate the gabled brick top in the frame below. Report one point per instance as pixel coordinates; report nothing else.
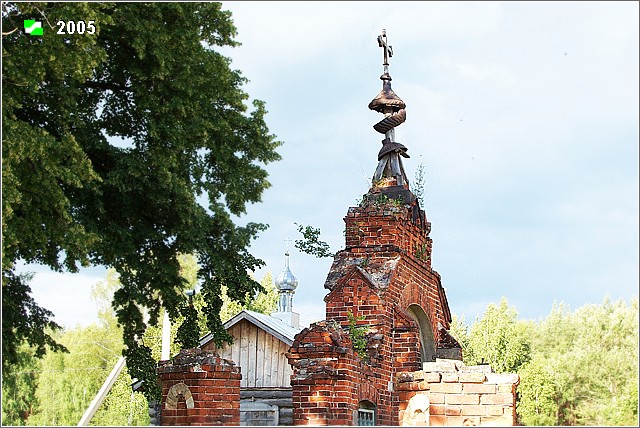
(377, 272)
(388, 255)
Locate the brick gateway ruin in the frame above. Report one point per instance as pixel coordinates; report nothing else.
(383, 356)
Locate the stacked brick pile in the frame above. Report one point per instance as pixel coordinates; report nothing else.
(199, 388)
(457, 395)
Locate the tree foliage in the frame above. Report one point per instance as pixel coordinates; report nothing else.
(188, 334)
(57, 389)
(498, 339)
(125, 148)
(593, 355)
(67, 382)
(122, 406)
(19, 387)
(311, 242)
(265, 302)
(537, 393)
(576, 368)
(23, 318)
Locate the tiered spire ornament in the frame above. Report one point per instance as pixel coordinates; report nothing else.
(393, 108)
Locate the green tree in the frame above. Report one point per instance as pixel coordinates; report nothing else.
(125, 148)
(68, 382)
(266, 301)
(576, 368)
(498, 339)
(593, 354)
(122, 406)
(311, 242)
(19, 387)
(459, 330)
(537, 393)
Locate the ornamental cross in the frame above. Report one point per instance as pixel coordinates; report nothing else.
(388, 50)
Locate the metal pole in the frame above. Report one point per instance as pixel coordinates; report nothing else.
(166, 337)
(100, 396)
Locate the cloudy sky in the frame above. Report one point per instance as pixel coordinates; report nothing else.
(524, 114)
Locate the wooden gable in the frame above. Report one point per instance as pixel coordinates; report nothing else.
(260, 355)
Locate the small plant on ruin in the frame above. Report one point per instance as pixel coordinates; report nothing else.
(382, 200)
(357, 334)
(422, 252)
(419, 183)
(365, 262)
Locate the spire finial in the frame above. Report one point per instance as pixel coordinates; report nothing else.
(287, 245)
(390, 167)
(386, 49)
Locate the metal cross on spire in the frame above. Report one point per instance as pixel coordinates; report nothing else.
(387, 50)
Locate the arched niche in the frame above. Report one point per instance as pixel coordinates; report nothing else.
(175, 392)
(427, 341)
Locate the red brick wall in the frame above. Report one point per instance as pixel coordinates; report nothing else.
(199, 388)
(388, 240)
(330, 380)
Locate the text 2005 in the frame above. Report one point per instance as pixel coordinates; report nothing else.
(73, 27)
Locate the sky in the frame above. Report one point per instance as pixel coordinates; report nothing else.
(524, 115)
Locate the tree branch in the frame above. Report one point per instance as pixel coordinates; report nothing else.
(9, 32)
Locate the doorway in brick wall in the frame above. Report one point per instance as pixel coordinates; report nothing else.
(427, 341)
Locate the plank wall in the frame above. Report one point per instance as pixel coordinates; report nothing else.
(260, 356)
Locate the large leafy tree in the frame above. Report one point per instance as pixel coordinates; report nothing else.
(19, 388)
(124, 148)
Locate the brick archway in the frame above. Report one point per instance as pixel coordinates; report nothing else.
(427, 339)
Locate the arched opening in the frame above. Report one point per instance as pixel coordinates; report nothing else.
(177, 391)
(366, 413)
(427, 341)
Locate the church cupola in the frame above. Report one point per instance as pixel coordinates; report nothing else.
(286, 284)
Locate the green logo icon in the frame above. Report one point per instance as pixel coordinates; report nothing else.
(33, 27)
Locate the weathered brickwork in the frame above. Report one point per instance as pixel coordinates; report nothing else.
(458, 395)
(199, 388)
(330, 380)
(383, 278)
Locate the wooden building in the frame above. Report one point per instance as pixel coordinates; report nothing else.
(259, 348)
